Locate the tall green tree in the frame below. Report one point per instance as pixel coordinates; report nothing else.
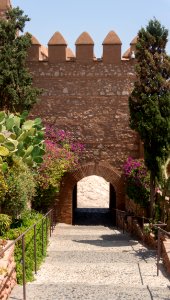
(149, 101)
(16, 90)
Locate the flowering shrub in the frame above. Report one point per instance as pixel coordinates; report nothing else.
(62, 155)
(137, 181)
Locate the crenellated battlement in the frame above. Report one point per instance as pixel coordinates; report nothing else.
(58, 50)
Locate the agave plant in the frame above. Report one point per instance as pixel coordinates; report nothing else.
(21, 137)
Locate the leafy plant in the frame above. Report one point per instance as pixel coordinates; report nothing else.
(16, 90)
(21, 137)
(149, 102)
(21, 188)
(5, 222)
(147, 228)
(3, 186)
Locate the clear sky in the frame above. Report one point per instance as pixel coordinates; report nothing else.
(97, 17)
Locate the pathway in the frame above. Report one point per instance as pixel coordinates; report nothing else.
(99, 263)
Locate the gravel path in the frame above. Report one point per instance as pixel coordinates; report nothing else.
(99, 263)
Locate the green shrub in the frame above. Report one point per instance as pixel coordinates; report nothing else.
(5, 222)
(21, 188)
(3, 186)
(27, 220)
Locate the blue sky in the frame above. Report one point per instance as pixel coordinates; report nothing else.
(98, 17)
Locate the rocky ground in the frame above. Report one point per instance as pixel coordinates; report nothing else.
(96, 263)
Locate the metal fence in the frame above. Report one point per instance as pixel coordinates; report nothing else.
(123, 215)
(48, 217)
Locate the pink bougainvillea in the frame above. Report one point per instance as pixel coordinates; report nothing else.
(62, 155)
(137, 180)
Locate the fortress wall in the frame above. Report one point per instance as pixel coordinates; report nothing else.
(91, 101)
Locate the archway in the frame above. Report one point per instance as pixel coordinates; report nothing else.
(67, 198)
(94, 201)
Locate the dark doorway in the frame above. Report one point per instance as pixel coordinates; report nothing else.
(112, 203)
(94, 215)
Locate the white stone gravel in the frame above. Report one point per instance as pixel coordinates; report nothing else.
(95, 262)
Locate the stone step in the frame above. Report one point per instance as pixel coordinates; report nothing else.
(119, 273)
(99, 263)
(63, 291)
(98, 257)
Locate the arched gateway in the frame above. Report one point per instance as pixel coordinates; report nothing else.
(88, 97)
(65, 203)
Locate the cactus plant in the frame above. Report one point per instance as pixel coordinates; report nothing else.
(21, 137)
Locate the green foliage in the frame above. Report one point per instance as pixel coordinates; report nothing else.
(21, 137)
(28, 219)
(147, 228)
(21, 188)
(3, 187)
(44, 197)
(149, 102)
(16, 90)
(5, 222)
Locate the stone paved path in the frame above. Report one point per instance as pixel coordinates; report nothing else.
(99, 263)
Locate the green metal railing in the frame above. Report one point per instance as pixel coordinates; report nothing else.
(44, 222)
(122, 215)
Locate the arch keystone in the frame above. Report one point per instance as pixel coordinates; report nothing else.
(57, 48)
(112, 48)
(84, 48)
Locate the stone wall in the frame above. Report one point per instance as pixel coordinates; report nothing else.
(7, 273)
(91, 101)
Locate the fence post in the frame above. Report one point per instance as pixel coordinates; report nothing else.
(159, 250)
(35, 250)
(42, 237)
(116, 220)
(23, 267)
(123, 223)
(143, 237)
(131, 224)
(50, 221)
(46, 230)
